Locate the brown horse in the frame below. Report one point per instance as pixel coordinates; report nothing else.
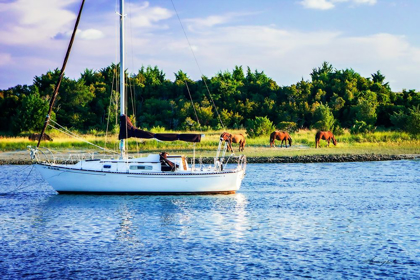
(283, 136)
(238, 138)
(324, 135)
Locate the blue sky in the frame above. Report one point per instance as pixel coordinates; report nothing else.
(285, 38)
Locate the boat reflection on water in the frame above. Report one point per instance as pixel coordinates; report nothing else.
(216, 216)
(137, 218)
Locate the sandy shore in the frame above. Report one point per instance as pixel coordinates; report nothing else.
(22, 157)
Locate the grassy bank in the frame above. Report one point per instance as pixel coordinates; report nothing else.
(391, 143)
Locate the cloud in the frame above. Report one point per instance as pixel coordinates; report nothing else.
(88, 34)
(286, 55)
(283, 54)
(214, 20)
(317, 4)
(30, 22)
(146, 16)
(369, 2)
(330, 4)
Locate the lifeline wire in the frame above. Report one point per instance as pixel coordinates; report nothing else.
(20, 186)
(69, 133)
(199, 68)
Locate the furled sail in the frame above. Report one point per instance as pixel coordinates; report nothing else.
(127, 130)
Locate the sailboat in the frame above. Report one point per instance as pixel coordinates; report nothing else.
(153, 174)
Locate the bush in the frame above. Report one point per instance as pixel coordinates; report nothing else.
(399, 120)
(362, 127)
(338, 130)
(287, 126)
(259, 126)
(323, 118)
(157, 129)
(413, 124)
(407, 122)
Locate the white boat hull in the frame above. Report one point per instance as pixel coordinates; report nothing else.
(70, 180)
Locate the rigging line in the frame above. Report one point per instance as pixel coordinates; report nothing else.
(215, 107)
(18, 188)
(109, 112)
(69, 133)
(99, 147)
(57, 86)
(132, 88)
(198, 65)
(192, 103)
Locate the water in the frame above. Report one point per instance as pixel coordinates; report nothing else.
(324, 221)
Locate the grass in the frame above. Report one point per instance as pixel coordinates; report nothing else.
(387, 142)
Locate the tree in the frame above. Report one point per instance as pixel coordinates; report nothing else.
(409, 122)
(378, 77)
(414, 120)
(31, 113)
(366, 111)
(323, 118)
(259, 126)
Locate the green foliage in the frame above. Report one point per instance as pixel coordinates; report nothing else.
(157, 129)
(31, 113)
(365, 110)
(362, 127)
(338, 131)
(290, 127)
(259, 126)
(332, 100)
(323, 118)
(399, 120)
(413, 123)
(409, 121)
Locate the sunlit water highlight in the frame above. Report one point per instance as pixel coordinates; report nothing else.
(323, 220)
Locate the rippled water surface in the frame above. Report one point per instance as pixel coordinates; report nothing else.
(288, 221)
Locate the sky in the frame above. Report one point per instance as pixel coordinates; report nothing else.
(284, 38)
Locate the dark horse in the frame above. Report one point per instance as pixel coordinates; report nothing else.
(283, 136)
(324, 135)
(238, 138)
(35, 137)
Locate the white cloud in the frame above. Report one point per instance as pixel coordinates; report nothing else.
(369, 2)
(90, 34)
(283, 54)
(330, 4)
(146, 16)
(286, 55)
(317, 4)
(209, 21)
(30, 22)
(214, 20)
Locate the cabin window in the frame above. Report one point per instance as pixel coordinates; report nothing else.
(141, 167)
(107, 166)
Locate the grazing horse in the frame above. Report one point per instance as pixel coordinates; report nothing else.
(35, 137)
(283, 136)
(238, 138)
(324, 135)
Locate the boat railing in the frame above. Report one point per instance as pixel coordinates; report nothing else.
(45, 155)
(242, 162)
(221, 163)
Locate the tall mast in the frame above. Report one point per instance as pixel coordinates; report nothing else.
(122, 67)
(57, 86)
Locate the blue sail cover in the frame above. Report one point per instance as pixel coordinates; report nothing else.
(127, 130)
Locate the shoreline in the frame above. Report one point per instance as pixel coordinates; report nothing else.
(330, 158)
(22, 158)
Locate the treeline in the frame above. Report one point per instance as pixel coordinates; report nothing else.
(333, 99)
